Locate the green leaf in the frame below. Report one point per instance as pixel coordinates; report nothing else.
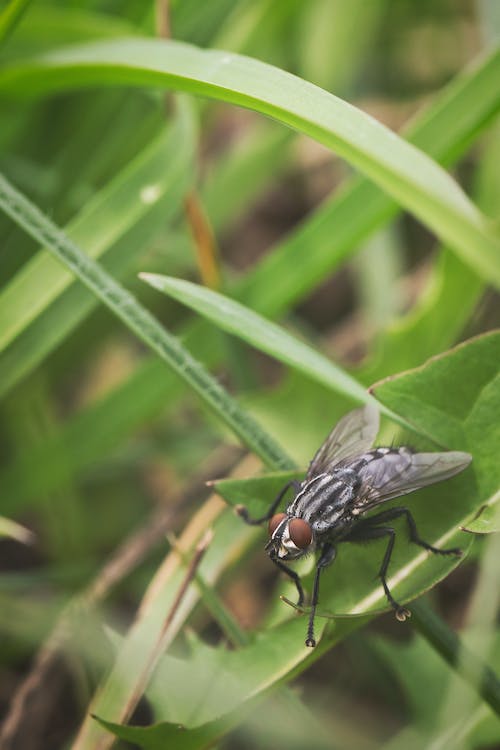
(233, 317)
(434, 323)
(160, 175)
(348, 588)
(408, 175)
(339, 226)
(161, 736)
(487, 518)
(412, 662)
(255, 493)
(453, 398)
(141, 323)
(450, 399)
(203, 693)
(241, 321)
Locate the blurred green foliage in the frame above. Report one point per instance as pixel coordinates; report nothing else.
(104, 449)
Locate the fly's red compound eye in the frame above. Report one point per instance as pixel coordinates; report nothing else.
(275, 521)
(300, 533)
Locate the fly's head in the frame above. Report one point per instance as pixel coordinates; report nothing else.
(290, 537)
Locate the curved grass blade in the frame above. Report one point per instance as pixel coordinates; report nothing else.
(248, 325)
(401, 170)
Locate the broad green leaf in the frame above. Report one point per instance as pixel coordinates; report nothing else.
(408, 175)
(462, 387)
(458, 414)
(282, 713)
(347, 588)
(255, 493)
(160, 736)
(205, 692)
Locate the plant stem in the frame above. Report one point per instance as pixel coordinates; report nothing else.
(476, 673)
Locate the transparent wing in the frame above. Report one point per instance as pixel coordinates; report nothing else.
(398, 471)
(352, 436)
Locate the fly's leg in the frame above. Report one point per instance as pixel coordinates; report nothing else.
(366, 530)
(243, 512)
(392, 513)
(364, 533)
(401, 612)
(327, 556)
(294, 576)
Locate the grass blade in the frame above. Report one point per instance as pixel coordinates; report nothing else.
(401, 170)
(159, 172)
(140, 322)
(248, 325)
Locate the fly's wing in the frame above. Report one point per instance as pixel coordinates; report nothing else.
(352, 436)
(391, 472)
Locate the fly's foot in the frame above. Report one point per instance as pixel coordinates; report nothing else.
(402, 613)
(456, 551)
(242, 512)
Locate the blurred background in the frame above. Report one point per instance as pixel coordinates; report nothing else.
(102, 454)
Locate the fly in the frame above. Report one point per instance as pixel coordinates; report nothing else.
(346, 479)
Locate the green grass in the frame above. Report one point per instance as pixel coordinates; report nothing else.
(117, 401)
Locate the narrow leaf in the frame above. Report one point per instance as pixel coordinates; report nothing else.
(248, 325)
(140, 322)
(401, 170)
(104, 220)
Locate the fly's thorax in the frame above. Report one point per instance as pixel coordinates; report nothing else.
(290, 537)
(325, 501)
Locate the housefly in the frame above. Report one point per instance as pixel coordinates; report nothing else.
(346, 479)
